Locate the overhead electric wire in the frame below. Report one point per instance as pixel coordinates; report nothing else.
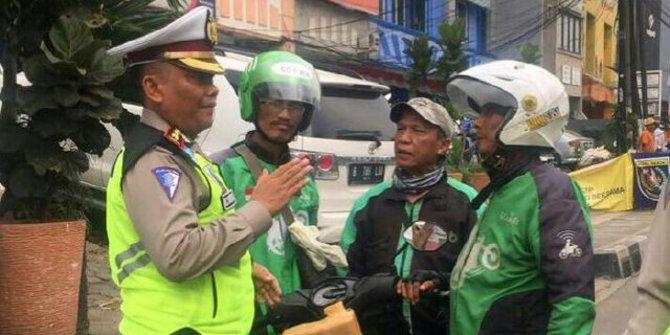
(536, 28)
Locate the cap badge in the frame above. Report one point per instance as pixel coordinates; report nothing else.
(212, 32)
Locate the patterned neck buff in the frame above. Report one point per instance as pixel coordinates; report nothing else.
(417, 184)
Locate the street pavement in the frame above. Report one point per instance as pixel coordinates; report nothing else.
(615, 297)
(612, 228)
(615, 307)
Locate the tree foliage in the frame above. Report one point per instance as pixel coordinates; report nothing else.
(452, 37)
(424, 62)
(50, 128)
(421, 53)
(530, 53)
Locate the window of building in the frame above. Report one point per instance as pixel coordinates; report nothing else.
(570, 33)
(407, 13)
(393, 11)
(418, 15)
(474, 18)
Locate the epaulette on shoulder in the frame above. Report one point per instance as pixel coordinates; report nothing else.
(141, 139)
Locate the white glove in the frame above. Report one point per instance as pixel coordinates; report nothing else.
(320, 253)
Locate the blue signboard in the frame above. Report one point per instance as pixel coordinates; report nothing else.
(651, 172)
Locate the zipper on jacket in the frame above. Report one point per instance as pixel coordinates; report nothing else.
(214, 296)
(412, 211)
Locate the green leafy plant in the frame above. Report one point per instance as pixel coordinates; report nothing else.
(452, 37)
(628, 127)
(457, 161)
(530, 53)
(57, 122)
(420, 52)
(50, 128)
(123, 20)
(452, 60)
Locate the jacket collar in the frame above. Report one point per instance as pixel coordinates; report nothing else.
(438, 191)
(264, 154)
(154, 120)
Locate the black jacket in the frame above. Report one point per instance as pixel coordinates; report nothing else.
(372, 240)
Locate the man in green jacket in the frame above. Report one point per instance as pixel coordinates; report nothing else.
(177, 245)
(528, 265)
(279, 92)
(420, 191)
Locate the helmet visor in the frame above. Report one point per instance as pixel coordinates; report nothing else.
(471, 96)
(286, 91)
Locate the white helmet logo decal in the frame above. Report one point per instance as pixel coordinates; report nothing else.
(293, 70)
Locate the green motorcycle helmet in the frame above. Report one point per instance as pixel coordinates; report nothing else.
(279, 75)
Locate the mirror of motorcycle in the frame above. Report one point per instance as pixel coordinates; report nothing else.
(425, 236)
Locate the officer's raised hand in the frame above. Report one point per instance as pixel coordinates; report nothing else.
(274, 191)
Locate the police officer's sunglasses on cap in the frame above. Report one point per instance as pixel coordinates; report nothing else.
(280, 105)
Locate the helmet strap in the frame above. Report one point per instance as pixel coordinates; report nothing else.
(503, 166)
(494, 162)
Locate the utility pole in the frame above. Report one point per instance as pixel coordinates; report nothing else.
(634, 44)
(623, 65)
(640, 17)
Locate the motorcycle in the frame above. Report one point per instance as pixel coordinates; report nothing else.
(335, 305)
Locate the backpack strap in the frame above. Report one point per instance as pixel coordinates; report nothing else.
(256, 169)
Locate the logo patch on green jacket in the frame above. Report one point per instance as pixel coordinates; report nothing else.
(509, 218)
(490, 256)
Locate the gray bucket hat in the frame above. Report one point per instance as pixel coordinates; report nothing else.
(430, 111)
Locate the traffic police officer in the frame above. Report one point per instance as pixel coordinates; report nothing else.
(177, 247)
(652, 314)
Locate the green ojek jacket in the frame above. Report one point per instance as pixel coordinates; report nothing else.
(527, 267)
(274, 250)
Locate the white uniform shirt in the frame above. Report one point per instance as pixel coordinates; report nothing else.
(660, 139)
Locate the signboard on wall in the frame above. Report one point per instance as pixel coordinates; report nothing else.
(652, 33)
(654, 90)
(576, 76)
(566, 74)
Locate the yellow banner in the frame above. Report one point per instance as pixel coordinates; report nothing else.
(608, 185)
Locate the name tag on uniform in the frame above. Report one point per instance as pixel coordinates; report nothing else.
(228, 200)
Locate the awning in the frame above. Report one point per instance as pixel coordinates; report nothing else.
(367, 6)
(596, 91)
(390, 77)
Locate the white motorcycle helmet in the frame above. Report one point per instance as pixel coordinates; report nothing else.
(537, 101)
